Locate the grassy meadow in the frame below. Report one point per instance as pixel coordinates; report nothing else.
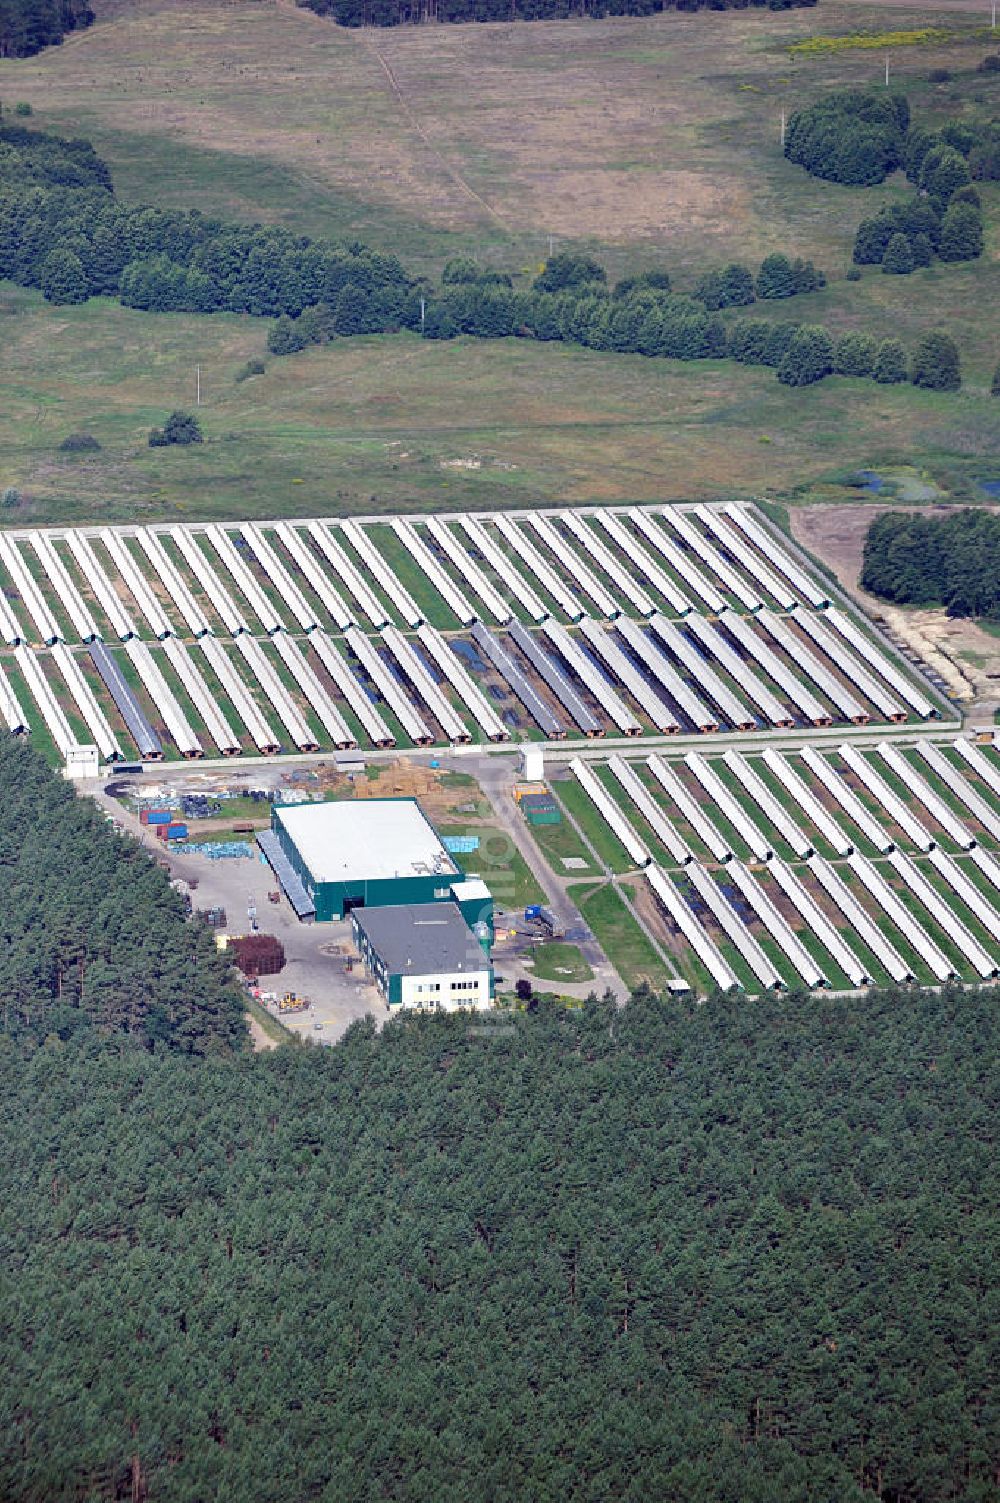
(380, 424)
(648, 141)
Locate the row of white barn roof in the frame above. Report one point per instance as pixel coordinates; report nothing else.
(635, 658)
(717, 795)
(645, 662)
(568, 553)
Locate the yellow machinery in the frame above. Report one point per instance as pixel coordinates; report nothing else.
(291, 1002)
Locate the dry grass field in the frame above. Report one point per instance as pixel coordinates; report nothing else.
(654, 137)
(652, 141)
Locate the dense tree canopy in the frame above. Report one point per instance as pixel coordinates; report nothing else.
(403, 12)
(62, 229)
(851, 136)
(686, 1254)
(696, 1253)
(26, 26)
(952, 561)
(92, 936)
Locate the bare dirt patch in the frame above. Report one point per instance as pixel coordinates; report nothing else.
(261, 1040)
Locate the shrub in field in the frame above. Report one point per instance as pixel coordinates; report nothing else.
(252, 368)
(961, 233)
(995, 386)
(942, 172)
(890, 363)
(935, 363)
(11, 498)
(854, 355)
(809, 357)
(62, 277)
(779, 337)
(779, 277)
(180, 428)
(748, 340)
(922, 250)
(79, 443)
(873, 235)
(898, 258)
(732, 287)
(568, 270)
(656, 280)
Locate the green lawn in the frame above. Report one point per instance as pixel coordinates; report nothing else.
(499, 863)
(576, 803)
(559, 841)
(556, 961)
(619, 936)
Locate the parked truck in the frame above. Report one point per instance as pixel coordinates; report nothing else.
(537, 913)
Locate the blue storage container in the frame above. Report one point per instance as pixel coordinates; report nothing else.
(177, 832)
(160, 816)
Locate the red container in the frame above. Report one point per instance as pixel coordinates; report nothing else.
(144, 816)
(161, 832)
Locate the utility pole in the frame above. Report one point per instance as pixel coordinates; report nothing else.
(197, 399)
(423, 311)
(993, 23)
(552, 241)
(887, 70)
(782, 130)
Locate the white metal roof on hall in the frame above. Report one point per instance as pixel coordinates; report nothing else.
(370, 840)
(204, 584)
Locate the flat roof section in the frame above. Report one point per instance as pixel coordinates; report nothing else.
(365, 840)
(470, 889)
(417, 939)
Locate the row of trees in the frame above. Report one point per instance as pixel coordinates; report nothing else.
(63, 230)
(410, 12)
(92, 936)
(953, 561)
(639, 316)
(735, 286)
(26, 26)
(805, 353)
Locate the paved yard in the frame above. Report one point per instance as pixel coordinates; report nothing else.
(315, 954)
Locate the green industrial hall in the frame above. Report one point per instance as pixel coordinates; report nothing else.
(334, 857)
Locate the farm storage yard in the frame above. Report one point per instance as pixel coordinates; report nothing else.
(207, 640)
(837, 868)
